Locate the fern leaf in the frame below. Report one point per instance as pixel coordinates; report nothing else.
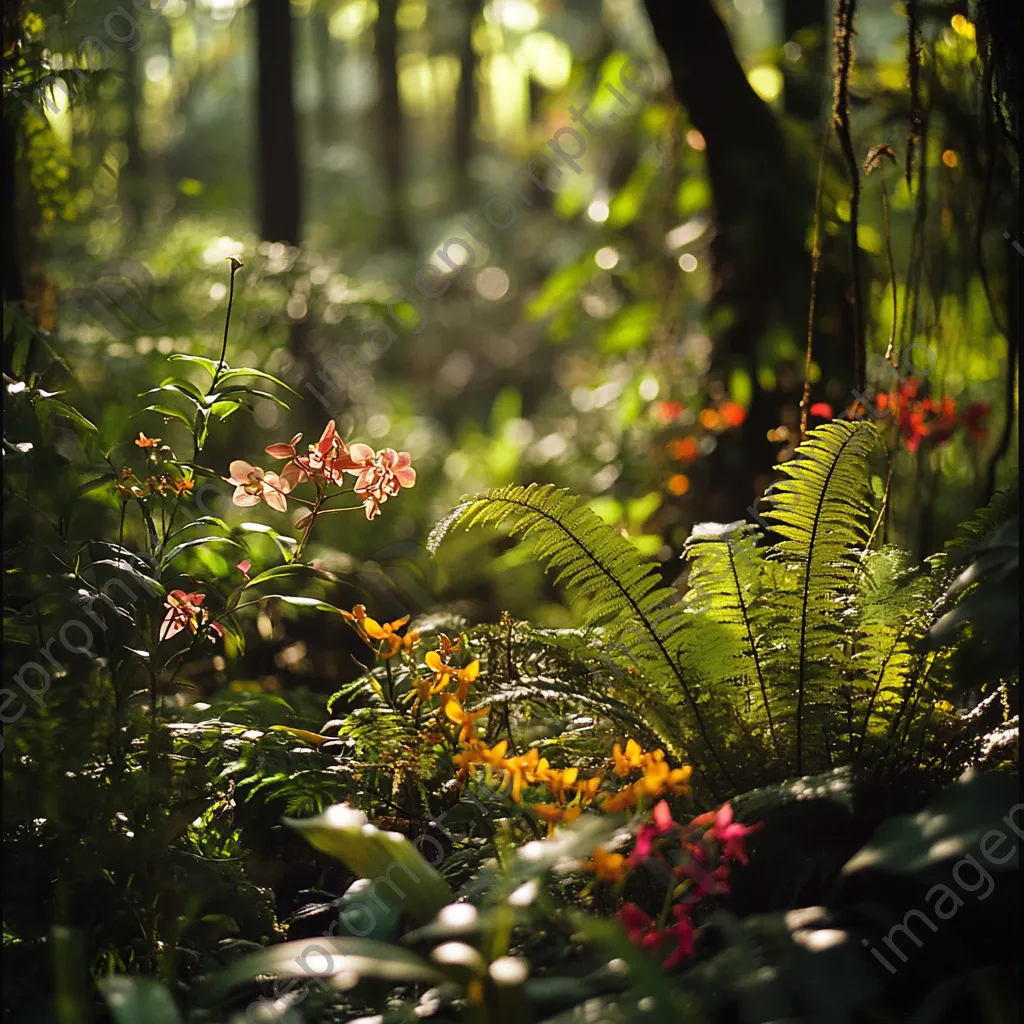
(822, 511)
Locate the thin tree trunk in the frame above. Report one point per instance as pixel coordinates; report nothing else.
(133, 174)
(465, 100)
(279, 178)
(390, 121)
(761, 207)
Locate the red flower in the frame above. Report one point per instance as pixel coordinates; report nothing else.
(663, 825)
(729, 834)
(682, 933)
(821, 409)
(640, 927)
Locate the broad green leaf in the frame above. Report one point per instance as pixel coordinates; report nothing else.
(247, 371)
(187, 545)
(210, 365)
(134, 1000)
(296, 569)
(383, 857)
(953, 825)
(166, 410)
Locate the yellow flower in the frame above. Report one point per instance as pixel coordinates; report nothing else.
(555, 815)
(623, 800)
(464, 719)
(626, 762)
(609, 867)
(371, 630)
(519, 771)
(443, 674)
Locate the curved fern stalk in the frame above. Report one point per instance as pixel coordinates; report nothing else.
(725, 570)
(619, 590)
(821, 510)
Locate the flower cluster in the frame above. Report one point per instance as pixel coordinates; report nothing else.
(917, 417)
(379, 474)
(162, 480)
(699, 880)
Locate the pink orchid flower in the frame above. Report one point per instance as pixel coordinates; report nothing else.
(646, 834)
(682, 933)
(253, 485)
(383, 478)
(728, 833)
(185, 612)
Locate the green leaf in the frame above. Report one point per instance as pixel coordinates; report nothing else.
(950, 827)
(303, 602)
(54, 407)
(344, 833)
(210, 365)
(322, 957)
(167, 410)
(296, 569)
(246, 371)
(192, 395)
(187, 545)
(631, 328)
(134, 1000)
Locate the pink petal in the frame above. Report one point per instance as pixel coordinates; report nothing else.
(292, 475)
(372, 507)
(326, 438)
(280, 451)
(197, 599)
(240, 470)
(406, 477)
(663, 817)
(275, 499)
(360, 452)
(244, 566)
(243, 499)
(171, 626)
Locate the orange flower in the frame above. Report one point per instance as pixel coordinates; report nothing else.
(182, 486)
(147, 442)
(464, 719)
(448, 646)
(659, 778)
(386, 634)
(443, 674)
(519, 771)
(555, 815)
(587, 789)
(626, 762)
(623, 800)
(609, 867)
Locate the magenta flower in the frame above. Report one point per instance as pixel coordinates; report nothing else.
(646, 834)
(185, 612)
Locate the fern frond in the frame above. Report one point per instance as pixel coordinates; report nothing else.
(617, 590)
(724, 644)
(821, 511)
(894, 604)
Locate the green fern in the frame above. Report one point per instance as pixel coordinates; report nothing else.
(641, 618)
(822, 511)
(782, 657)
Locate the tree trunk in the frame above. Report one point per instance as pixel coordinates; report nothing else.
(133, 174)
(465, 100)
(391, 123)
(280, 194)
(761, 207)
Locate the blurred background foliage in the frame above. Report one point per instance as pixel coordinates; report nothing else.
(638, 334)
